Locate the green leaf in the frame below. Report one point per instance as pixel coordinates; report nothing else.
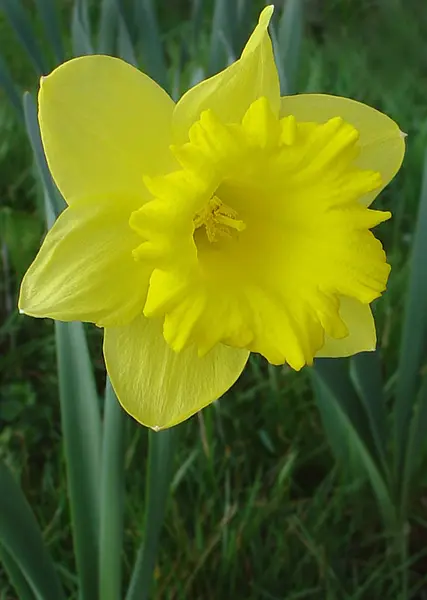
(124, 43)
(416, 448)
(21, 232)
(149, 38)
(80, 29)
(352, 444)
(112, 498)
(21, 24)
(196, 21)
(288, 47)
(108, 27)
(244, 15)
(413, 337)
(80, 418)
(8, 85)
(49, 16)
(222, 51)
(21, 537)
(33, 131)
(15, 575)
(365, 371)
(159, 475)
(335, 375)
(81, 427)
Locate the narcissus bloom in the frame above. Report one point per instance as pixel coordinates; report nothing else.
(234, 221)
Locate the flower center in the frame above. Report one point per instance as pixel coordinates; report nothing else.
(219, 220)
(269, 273)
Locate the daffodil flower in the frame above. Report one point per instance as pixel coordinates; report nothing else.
(234, 221)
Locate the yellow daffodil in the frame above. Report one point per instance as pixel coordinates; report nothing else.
(234, 221)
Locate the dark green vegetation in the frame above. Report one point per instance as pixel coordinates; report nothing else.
(260, 508)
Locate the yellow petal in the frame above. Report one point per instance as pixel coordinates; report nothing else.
(159, 387)
(382, 144)
(360, 324)
(104, 124)
(85, 270)
(231, 92)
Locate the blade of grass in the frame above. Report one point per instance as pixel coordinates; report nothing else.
(244, 15)
(21, 537)
(149, 37)
(81, 429)
(332, 411)
(33, 131)
(289, 37)
(16, 577)
(196, 21)
(80, 29)
(124, 42)
(80, 418)
(8, 85)
(413, 337)
(222, 51)
(49, 15)
(159, 475)
(365, 371)
(112, 498)
(335, 375)
(416, 448)
(108, 27)
(21, 24)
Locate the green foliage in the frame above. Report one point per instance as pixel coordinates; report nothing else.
(270, 497)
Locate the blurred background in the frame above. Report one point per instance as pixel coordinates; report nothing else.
(275, 493)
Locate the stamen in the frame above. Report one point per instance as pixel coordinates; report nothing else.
(218, 219)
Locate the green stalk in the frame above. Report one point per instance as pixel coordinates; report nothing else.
(159, 475)
(22, 541)
(49, 15)
(21, 24)
(80, 418)
(412, 347)
(112, 498)
(15, 575)
(9, 87)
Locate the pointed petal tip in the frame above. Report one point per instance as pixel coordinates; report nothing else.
(266, 13)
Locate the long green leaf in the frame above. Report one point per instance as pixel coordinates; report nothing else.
(149, 37)
(21, 24)
(80, 418)
(112, 498)
(159, 475)
(244, 15)
(289, 37)
(21, 537)
(15, 575)
(413, 336)
(416, 448)
(108, 27)
(196, 21)
(365, 371)
(222, 50)
(124, 42)
(81, 428)
(335, 375)
(8, 85)
(33, 131)
(49, 16)
(80, 29)
(332, 411)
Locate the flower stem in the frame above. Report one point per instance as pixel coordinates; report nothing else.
(160, 458)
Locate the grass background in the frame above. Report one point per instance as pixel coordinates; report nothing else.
(259, 508)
